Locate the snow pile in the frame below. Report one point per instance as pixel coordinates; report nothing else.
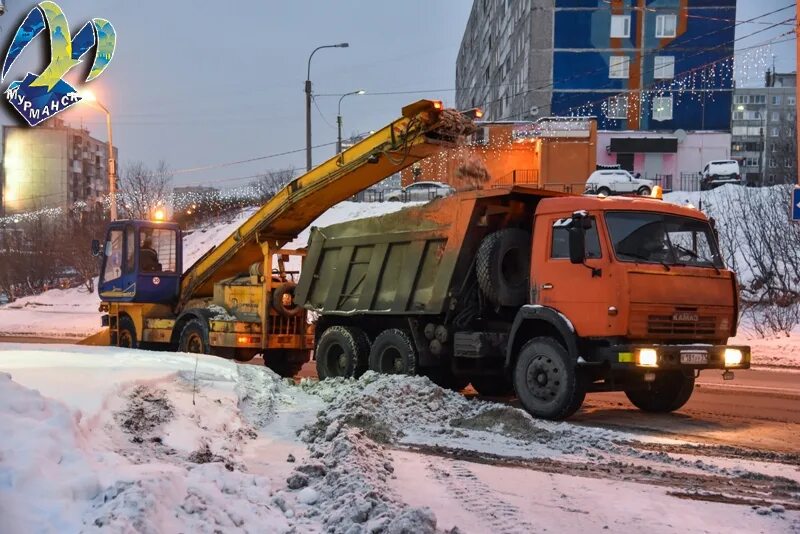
(45, 463)
(161, 448)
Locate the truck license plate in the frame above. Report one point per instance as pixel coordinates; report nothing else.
(694, 358)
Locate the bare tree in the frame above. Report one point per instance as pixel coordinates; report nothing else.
(142, 190)
(269, 183)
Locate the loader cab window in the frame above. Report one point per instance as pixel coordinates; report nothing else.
(559, 248)
(157, 249)
(113, 253)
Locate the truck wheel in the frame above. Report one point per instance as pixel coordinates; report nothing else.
(547, 381)
(126, 336)
(393, 353)
(342, 351)
(644, 191)
(283, 300)
(670, 391)
(604, 191)
(492, 386)
(194, 338)
(503, 266)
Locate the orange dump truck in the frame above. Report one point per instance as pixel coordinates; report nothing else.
(519, 289)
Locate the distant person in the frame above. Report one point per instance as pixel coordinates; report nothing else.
(638, 175)
(148, 257)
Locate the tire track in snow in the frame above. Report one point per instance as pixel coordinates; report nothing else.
(479, 498)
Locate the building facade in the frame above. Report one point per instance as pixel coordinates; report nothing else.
(764, 131)
(52, 165)
(634, 64)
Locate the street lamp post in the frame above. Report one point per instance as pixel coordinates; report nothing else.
(112, 167)
(339, 118)
(308, 100)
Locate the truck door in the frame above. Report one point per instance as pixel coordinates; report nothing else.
(582, 293)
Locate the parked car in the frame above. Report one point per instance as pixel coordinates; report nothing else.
(617, 181)
(419, 191)
(4, 299)
(720, 172)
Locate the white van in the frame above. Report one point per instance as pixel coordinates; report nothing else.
(720, 172)
(616, 182)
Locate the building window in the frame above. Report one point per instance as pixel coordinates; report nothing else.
(664, 67)
(775, 116)
(776, 100)
(738, 115)
(740, 99)
(758, 99)
(790, 100)
(789, 163)
(773, 164)
(666, 26)
(617, 107)
(751, 162)
(620, 25)
(619, 67)
(775, 132)
(662, 108)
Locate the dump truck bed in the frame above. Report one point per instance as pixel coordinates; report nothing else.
(411, 261)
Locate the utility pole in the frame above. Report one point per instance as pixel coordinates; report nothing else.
(308, 101)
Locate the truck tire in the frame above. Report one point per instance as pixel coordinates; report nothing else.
(670, 391)
(278, 294)
(393, 353)
(503, 266)
(492, 386)
(194, 338)
(126, 336)
(342, 351)
(547, 381)
(446, 379)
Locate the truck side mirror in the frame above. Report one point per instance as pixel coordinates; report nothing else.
(95, 247)
(577, 243)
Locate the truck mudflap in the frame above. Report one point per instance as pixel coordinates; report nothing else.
(651, 357)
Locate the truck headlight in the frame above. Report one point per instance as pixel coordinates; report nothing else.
(647, 358)
(733, 357)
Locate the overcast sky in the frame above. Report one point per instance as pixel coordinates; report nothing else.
(197, 85)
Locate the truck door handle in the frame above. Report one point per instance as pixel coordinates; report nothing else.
(547, 286)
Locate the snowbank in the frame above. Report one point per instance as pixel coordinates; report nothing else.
(115, 440)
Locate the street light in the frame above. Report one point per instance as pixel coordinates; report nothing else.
(339, 118)
(308, 100)
(88, 96)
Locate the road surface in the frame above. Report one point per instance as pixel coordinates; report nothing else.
(760, 409)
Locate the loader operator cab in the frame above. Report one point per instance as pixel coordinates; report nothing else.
(141, 262)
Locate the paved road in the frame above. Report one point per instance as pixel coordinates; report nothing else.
(760, 409)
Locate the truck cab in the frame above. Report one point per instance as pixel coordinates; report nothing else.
(142, 262)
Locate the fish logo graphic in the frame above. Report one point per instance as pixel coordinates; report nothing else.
(39, 97)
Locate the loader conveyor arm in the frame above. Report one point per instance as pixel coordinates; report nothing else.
(419, 133)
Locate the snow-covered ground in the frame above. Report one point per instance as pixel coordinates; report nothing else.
(73, 313)
(115, 440)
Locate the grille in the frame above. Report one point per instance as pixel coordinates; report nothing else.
(280, 325)
(665, 325)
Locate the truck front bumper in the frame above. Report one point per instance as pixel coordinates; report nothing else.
(667, 357)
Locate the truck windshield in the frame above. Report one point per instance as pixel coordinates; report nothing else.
(667, 239)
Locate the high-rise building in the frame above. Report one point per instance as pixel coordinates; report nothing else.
(633, 64)
(52, 165)
(764, 131)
